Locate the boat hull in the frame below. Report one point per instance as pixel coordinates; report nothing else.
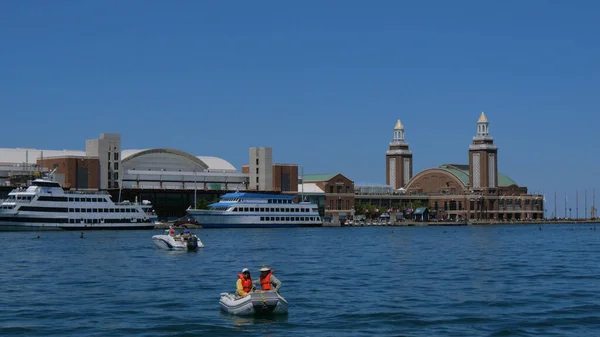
(50, 226)
(256, 303)
(212, 219)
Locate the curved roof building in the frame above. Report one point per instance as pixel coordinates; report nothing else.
(448, 178)
(173, 160)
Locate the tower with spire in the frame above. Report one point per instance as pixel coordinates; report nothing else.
(398, 160)
(483, 158)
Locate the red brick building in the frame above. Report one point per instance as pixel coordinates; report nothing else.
(78, 172)
(333, 193)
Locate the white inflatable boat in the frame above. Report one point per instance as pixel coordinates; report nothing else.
(256, 303)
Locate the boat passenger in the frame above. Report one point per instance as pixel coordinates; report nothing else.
(267, 280)
(244, 283)
(171, 231)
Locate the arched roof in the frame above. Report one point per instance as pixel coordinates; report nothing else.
(452, 175)
(459, 173)
(462, 171)
(205, 163)
(186, 157)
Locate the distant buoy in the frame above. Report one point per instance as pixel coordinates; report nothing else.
(81, 235)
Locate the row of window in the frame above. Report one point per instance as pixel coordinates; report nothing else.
(339, 189)
(274, 210)
(279, 201)
(104, 210)
(96, 221)
(20, 197)
(290, 218)
(87, 199)
(115, 154)
(339, 204)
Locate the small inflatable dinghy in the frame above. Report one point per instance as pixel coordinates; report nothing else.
(256, 303)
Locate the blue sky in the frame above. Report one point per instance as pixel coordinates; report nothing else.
(322, 82)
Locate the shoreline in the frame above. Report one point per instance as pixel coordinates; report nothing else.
(463, 223)
(165, 225)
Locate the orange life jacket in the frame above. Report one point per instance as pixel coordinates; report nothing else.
(246, 283)
(265, 282)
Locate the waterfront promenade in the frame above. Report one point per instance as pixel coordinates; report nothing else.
(462, 223)
(165, 225)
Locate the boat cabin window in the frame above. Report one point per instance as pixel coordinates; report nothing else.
(45, 184)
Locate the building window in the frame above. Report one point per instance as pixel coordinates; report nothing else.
(116, 156)
(347, 188)
(109, 176)
(256, 161)
(257, 180)
(257, 170)
(330, 189)
(116, 166)
(108, 155)
(339, 189)
(116, 175)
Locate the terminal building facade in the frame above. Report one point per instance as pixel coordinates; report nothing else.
(474, 191)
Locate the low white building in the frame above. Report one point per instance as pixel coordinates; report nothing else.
(144, 169)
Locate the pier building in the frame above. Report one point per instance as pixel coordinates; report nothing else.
(333, 193)
(473, 191)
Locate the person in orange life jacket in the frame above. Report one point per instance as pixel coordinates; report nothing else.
(244, 283)
(267, 280)
(171, 231)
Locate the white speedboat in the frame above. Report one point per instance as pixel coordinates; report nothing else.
(256, 303)
(177, 242)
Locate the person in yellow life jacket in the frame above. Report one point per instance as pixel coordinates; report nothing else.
(244, 283)
(267, 280)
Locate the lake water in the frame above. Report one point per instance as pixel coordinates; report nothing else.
(368, 281)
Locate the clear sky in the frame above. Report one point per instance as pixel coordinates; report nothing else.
(322, 82)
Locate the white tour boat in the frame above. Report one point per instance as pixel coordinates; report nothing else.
(245, 210)
(255, 303)
(182, 241)
(46, 206)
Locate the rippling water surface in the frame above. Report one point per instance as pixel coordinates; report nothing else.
(384, 281)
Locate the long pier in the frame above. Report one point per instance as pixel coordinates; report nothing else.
(463, 223)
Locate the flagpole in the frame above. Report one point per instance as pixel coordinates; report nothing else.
(555, 215)
(585, 214)
(576, 204)
(566, 205)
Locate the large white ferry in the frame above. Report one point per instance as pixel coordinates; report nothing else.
(46, 206)
(244, 210)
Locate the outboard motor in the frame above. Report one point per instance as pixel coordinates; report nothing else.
(192, 242)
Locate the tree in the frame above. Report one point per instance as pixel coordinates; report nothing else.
(203, 203)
